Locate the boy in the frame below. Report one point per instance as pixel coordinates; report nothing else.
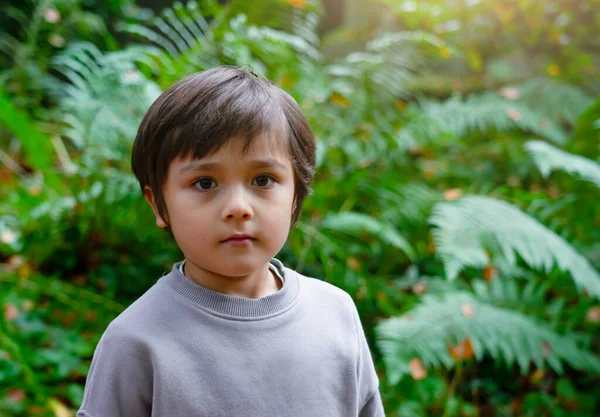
(225, 160)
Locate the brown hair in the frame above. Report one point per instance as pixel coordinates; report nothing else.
(203, 111)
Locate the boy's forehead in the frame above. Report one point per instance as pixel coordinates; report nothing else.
(262, 148)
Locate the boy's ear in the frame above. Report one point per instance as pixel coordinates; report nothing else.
(149, 196)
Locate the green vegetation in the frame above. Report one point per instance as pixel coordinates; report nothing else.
(456, 198)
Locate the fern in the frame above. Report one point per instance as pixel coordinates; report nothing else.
(556, 100)
(427, 330)
(265, 37)
(505, 292)
(388, 62)
(179, 30)
(549, 158)
(469, 226)
(192, 38)
(410, 204)
(104, 99)
(301, 20)
(481, 113)
(357, 223)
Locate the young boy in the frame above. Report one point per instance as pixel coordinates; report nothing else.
(225, 160)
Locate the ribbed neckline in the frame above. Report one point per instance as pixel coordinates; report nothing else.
(234, 307)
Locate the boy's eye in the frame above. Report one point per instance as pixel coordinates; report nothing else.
(262, 180)
(205, 183)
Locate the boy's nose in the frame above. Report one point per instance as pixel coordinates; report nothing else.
(237, 205)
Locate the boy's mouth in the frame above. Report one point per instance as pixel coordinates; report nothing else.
(238, 237)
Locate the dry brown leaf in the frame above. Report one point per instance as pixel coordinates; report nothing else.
(513, 114)
(339, 99)
(510, 93)
(417, 370)
(462, 351)
(285, 81)
(298, 4)
(537, 376)
(414, 149)
(453, 194)
(11, 312)
(16, 395)
(429, 173)
(489, 273)
(554, 70)
(515, 407)
(353, 263)
(381, 296)
(51, 15)
(467, 310)
(431, 246)
(419, 288)
(546, 349)
(593, 315)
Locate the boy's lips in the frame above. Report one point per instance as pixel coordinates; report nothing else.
(238, 237)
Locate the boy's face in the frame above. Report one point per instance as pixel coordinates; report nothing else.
(226, 193)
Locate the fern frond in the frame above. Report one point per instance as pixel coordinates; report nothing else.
(192, 39)
(549, 158)
(403, 53)
(505, 292)
(264, 34)
(466, 228)
(557, 100)
(104, 99)
(355, 224)
(388, 61)
(305, 23)
(427, 330)
(177, 31)
(411, 203)
(477, 113)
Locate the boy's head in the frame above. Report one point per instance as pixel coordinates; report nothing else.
(224, 152)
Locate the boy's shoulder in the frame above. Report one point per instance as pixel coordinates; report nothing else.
(326, 295)
(324, 288)
(136, 321)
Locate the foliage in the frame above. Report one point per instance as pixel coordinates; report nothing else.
(458, 327)
(471, 228)
(434, 206)
(549, 158)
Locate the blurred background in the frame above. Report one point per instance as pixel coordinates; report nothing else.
(456, 199)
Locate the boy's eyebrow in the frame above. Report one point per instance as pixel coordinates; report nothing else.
(212, 166)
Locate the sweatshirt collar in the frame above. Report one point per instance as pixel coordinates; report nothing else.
(235, 307)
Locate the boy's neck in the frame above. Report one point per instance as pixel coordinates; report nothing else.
(261, 283)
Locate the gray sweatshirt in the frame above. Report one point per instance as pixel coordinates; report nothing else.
(183, 350)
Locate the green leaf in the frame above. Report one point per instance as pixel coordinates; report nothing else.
(506, 335)
(357, 223)
(38, 146)
(466, 228)
(549, 158)
(479, 113)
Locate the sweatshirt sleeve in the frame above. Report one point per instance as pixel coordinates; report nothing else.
(370, 403)
(119, 383)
